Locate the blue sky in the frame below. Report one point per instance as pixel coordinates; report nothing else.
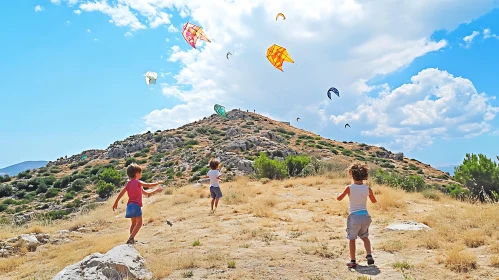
(71, 82)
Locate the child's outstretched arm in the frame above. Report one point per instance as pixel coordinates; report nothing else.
(149, 185)
(115, 205)
(148, 193)
(344, 193)
(371, 196)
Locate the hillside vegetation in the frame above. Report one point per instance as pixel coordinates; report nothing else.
(180, 156)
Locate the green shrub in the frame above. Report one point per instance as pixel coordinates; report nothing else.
(5, 190)
(112, 176)
(346, 152)
(413, 183)
(158, 138)
(387, 165)
(24, 175)
(270, 168)
(78, 185)
(4, 179)
(69, 195)
(296, 164)
(3, 207)
(105, 189)
(52, 192)
(191, 142)
(42, 188)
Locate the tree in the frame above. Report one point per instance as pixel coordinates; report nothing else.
(270, 168)
(112, 176)
(105, 189)
(480, 175)
(5, 190)
(296, 164)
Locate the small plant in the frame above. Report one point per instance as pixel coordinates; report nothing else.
(231, 264)
(196, 243)
(401, 265)
(187, 274)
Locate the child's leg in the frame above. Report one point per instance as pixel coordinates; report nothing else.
(138, 225)
(133, 224)
(212, 202)
(352, 249)
(367, 245)
(216, 202)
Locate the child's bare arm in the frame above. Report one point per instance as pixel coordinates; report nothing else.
(148, 193)
(371, 196)
(344, 193)
(115, 205)
(149, 185)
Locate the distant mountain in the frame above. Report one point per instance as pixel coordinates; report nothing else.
(448, 168)
(13, 170)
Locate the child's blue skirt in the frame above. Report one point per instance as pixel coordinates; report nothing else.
(133, 210)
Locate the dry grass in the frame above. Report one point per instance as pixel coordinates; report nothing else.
(460, 260)
(273, 225)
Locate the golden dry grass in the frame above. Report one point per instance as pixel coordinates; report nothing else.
(296, 227)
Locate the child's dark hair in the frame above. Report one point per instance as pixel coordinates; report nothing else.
(214, 164)
(132, 170)
(359, 171)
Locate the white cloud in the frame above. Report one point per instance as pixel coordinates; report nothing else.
(120, 14)
(78, 12)
(128, 34)
(341, 43)
(488, 34)
(161, 18)
(469, 39)
(96, 39)
(68, 22)
(89, 31)
(172, 28)
(70, 2)
(167, 40)
(434, 105)
(56, 2)
(39, 8)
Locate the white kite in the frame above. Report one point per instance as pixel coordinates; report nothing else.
(151, 77)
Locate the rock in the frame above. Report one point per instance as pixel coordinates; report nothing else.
(84, 230)
(121, 262)
(4, 253)
(231, 132)
(63, 232)
(42, 237)
(116, 153)
(13, 239)
(238, 145)
(245, 165)
(29, 241)
(398, 156)
(407, 226)
(270, 135)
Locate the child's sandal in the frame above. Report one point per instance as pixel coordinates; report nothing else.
(370, 260)
(130, 241)
(352, 264)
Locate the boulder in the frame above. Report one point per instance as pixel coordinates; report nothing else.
(410, 225)
(121, 262)
(398, 156)
(117, 152)
(231, 132)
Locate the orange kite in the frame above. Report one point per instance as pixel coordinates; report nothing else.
(280, 15)
(277, 55)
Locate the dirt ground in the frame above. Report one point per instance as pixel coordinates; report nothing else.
(292, 229)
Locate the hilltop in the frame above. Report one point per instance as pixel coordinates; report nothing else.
(180, 156)
(15, 169)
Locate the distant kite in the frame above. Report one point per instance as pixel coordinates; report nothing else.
(151, 77)
(333, 89)
(227, 55)
(192, 33)
(220, 110)
(280, 15)
(298, 119)
(277, 55)
(347, 125)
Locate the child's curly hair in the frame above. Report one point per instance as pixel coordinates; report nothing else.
(132, 170)
(359, 171)
(214, 164)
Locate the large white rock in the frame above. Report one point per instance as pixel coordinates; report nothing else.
(121, 262)
(408, 226)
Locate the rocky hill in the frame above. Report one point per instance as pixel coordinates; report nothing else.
(180, 156)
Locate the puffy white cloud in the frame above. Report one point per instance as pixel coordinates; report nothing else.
(78, 12)
(469, 39)
(160, 19)
(341, 43)
(172, 28)
(434, 105)
(39, 8)
(89, 31)
(128, 34)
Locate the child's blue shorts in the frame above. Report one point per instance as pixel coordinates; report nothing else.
(133, 210)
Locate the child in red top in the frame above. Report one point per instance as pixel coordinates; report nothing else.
(134, 189)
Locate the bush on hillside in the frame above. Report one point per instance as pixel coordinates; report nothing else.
(42, 188)
(296, 164)
(5, 190)
(4, 179)
(78, 185)
(112, 176)
(480, 175)
(270, 168)
(52, 192)
(105, 189)
(411, 183)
